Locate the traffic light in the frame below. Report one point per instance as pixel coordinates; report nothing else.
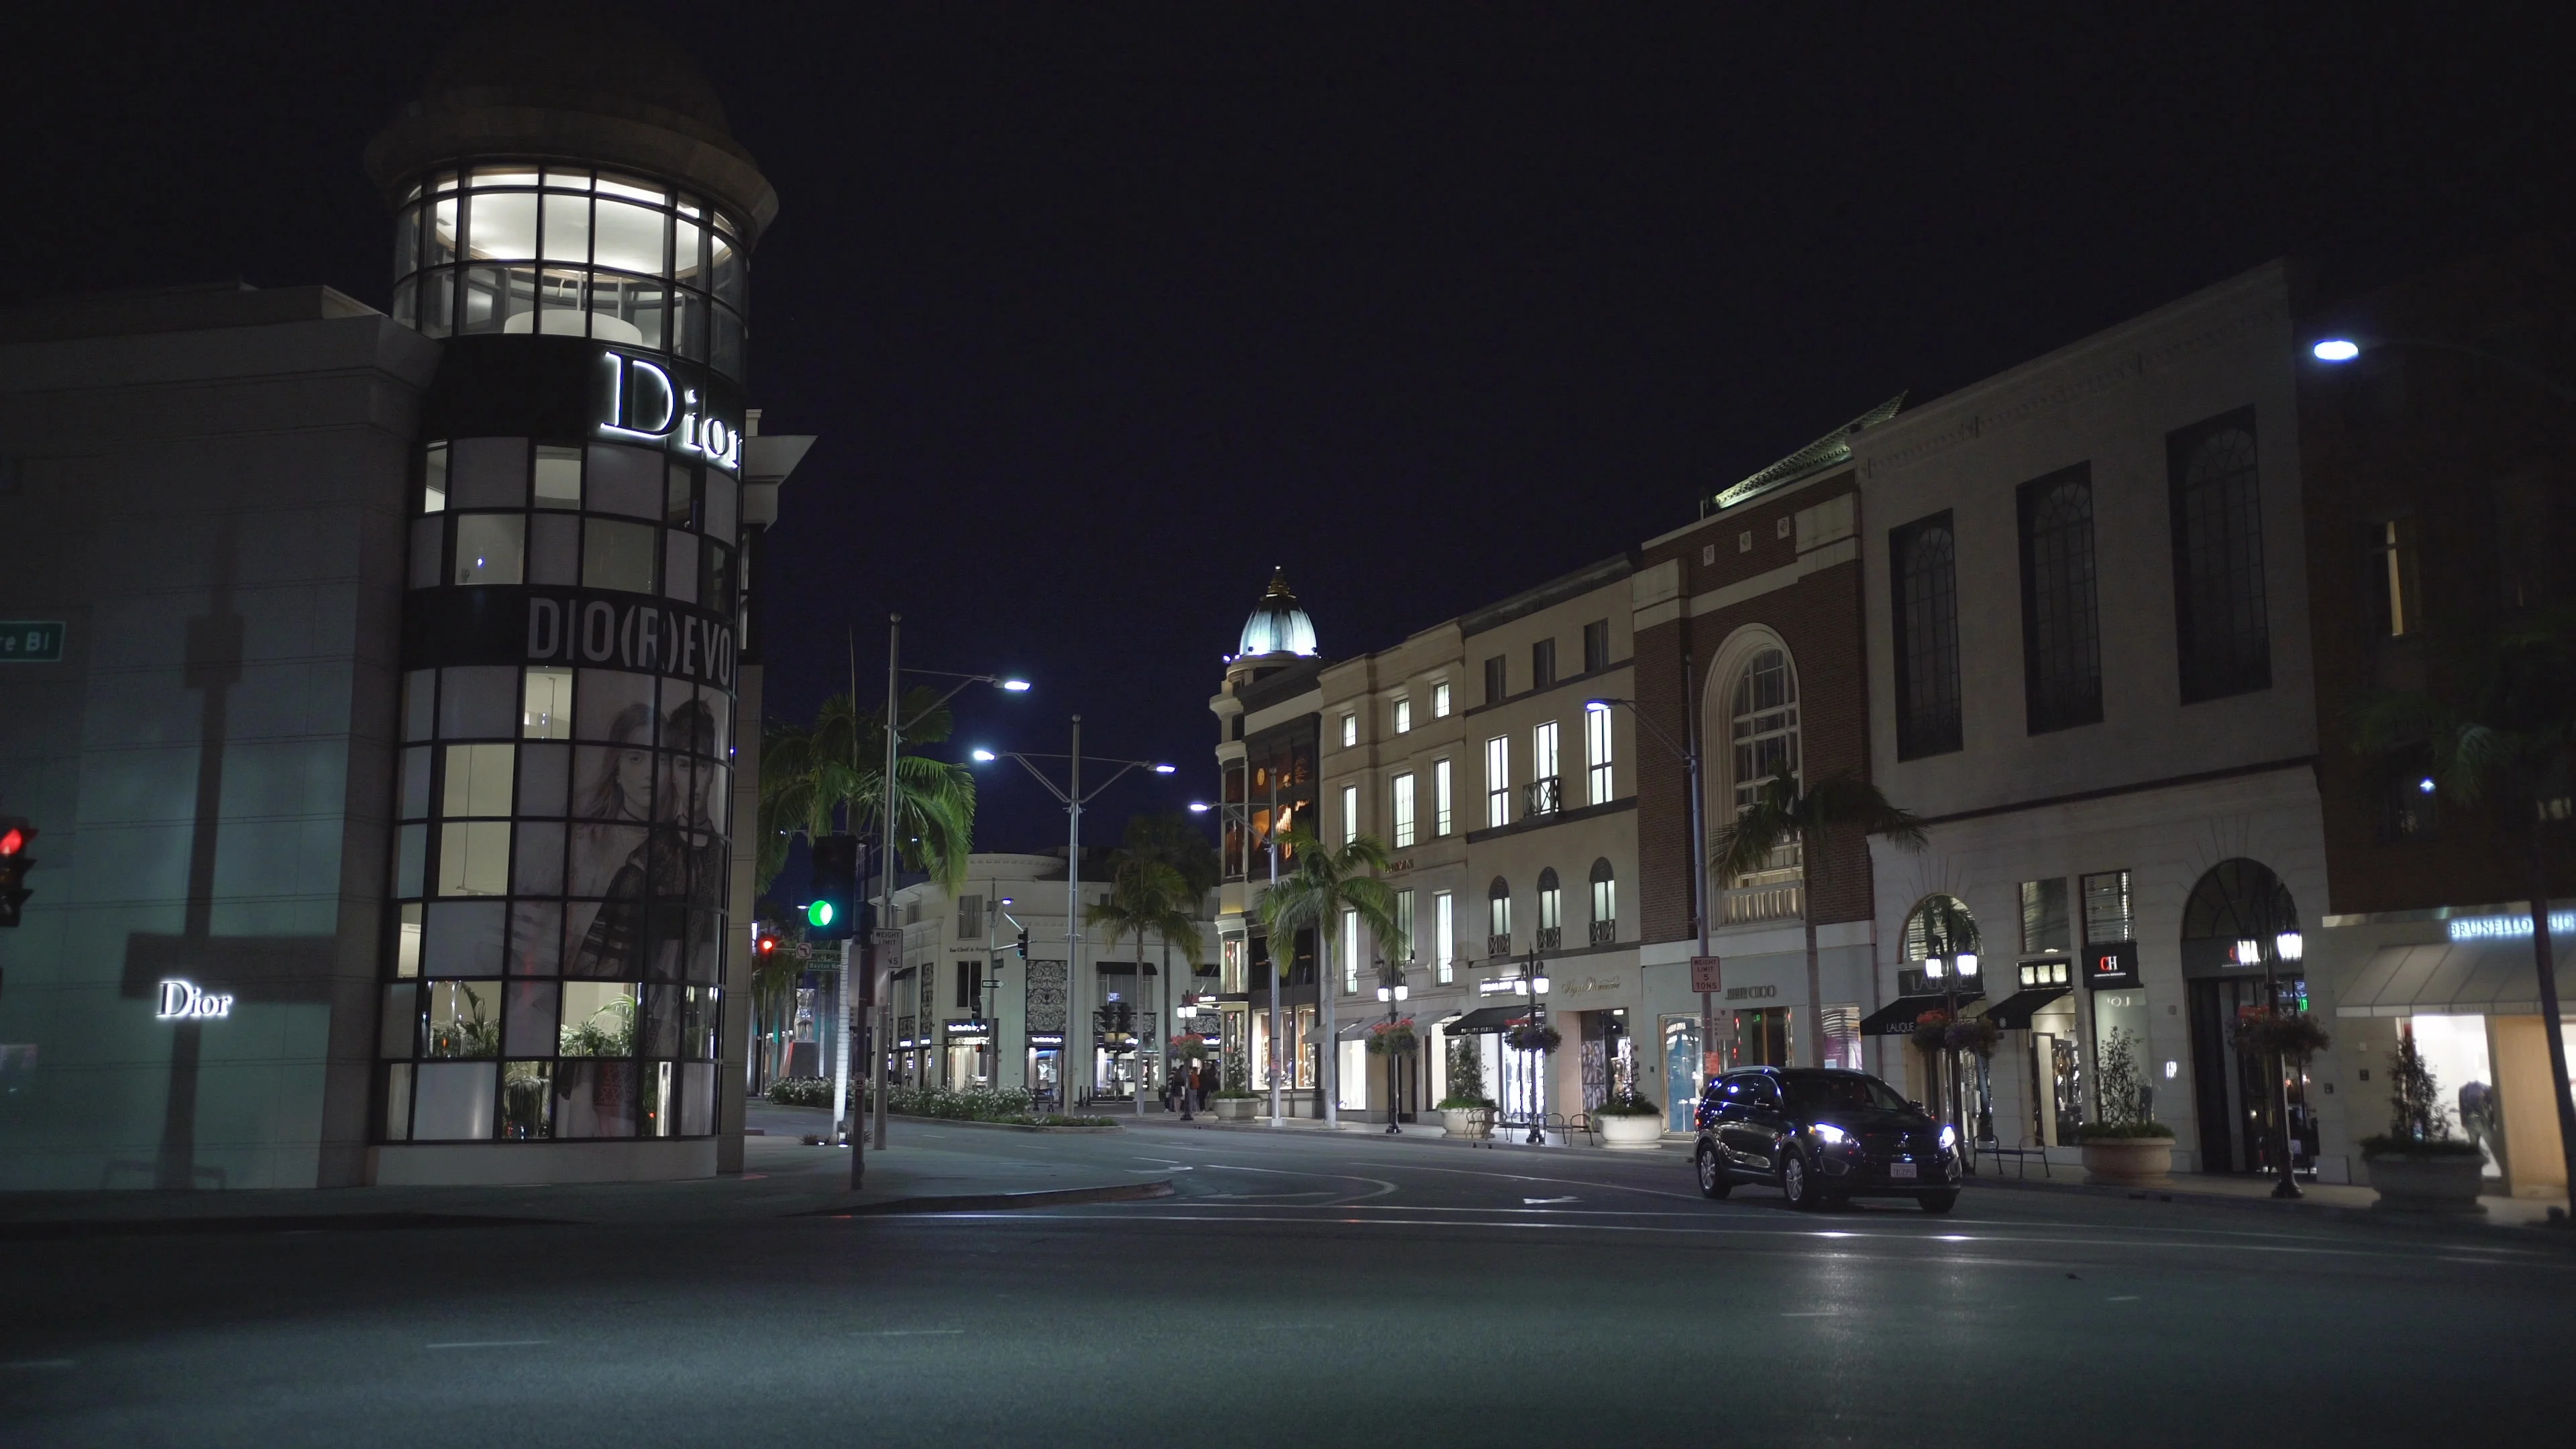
(834, 914)
(15, 836)
(1024, 943)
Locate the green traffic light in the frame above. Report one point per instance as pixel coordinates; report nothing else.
(819, 913)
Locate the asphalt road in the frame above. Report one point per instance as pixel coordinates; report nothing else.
(1309, 1290)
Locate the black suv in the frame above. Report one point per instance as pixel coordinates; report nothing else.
(1820, 1134)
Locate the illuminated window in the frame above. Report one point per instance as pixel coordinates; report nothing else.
(1596, 752)
(1403, 811)
(1498, 782)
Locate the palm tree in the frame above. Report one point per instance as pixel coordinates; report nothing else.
(1813, 820)
(810, 772)
(2503, 729)
(1146, 898)
(1324, 885)
(1173, 839)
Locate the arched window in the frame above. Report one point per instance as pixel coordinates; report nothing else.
(1764, 727)
(2235, 900)
(1498, 918)
(1605, 904)
(1940, 926)
(1551, 911)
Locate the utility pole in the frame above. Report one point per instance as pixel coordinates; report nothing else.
(1076, 1025)
(886, 927)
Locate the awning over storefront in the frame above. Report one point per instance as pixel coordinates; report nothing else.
(1487, 1019)
(2490, 978)
(2013, 1013)
(1897, 1017)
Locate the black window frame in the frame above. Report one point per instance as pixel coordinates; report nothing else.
(1933, 726)
(2221, 514)
(1542, 663)
(1497, 678)
(2061, 618)
(1596, 646)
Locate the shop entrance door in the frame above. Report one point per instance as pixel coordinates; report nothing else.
(2234, 1105)
(1046, 1076)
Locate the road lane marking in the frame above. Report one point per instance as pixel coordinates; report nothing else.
(2122, 1298)
(1820, 1313)
(1542, 1201)
(494, 1343)
(1537, 1221)
(906, 1332)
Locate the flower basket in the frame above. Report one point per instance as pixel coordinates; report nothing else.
(2291, 1035)
(1534, 1038)
(1189, 1046)
(1931, 1031)
(1393, 1038)
(1971, 1034)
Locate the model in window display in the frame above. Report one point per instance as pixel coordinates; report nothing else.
(669, 859)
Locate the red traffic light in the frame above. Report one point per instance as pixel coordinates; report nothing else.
(13, 840)
(768, 944)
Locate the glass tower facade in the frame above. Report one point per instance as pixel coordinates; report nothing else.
(554, 964)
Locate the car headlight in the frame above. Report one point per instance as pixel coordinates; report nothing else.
(1949, 1137)
(1829, 1134)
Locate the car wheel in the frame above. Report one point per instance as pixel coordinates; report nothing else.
(1713, 1181)
(1798, 1183)
(1939, 1202)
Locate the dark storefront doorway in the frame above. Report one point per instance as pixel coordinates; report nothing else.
(2240, 900)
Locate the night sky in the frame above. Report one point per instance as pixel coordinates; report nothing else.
(1101, 311)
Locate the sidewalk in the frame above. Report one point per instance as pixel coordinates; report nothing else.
(926, 1168)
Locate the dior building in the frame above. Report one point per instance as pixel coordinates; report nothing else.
(402, 658)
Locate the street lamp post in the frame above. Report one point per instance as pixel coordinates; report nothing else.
(1391, 989)
(1073, 797)
(1533, 984)
(861, 1026)
(1186, 1011)
(2287, 946)
(1950, 971)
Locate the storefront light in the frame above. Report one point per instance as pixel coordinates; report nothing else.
(2290, 944)
(2249, 953)
(1967, 964)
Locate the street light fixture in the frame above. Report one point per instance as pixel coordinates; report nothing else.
(1073, 797)
(2335, 351)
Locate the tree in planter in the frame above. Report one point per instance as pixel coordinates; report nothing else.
(2123, 1091)
(2500, 725)
(1466, 1078)
(2418, 1123)
(1814, 820)
(1238, 1080)
(1313, 895)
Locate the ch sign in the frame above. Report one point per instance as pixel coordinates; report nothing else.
(181, 1001)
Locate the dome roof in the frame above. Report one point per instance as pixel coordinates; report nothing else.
(1277, 625)
(595, 55)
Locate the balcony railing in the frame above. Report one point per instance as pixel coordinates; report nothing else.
(1604, 932)
(1757, 897)
(1544, 796)
(1500, 945)
(1550, 938)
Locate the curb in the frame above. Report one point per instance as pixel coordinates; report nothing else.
(976, 1202)
(60, 1229)
(814, 1139)
(2471, 1225)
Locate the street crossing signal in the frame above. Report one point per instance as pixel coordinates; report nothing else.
(1024, 943)
(834, 913)
(15, 836)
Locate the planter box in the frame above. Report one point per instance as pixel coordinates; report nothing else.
(1235, 1109)
(2412, 1184)
(1632, 1134)
(1473, 1123)
(2129, 1162)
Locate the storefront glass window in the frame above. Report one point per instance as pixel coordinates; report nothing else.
(2454, 1049)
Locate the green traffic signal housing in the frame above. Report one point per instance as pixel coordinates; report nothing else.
(834, 914)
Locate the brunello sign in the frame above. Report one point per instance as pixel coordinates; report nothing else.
(568, 627)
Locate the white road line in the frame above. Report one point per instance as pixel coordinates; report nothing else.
(493, 1343)
(1543, 1201)
(907, 1333)
(2122, 1298)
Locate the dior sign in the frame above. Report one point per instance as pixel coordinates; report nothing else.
(644, 405)
(182, 1001)
(629, 633)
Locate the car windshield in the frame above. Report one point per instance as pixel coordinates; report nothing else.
(1851, 1091)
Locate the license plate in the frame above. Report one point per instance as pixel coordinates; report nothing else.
(1900, 1170)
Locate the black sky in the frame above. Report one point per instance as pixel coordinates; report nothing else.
(1102, 310)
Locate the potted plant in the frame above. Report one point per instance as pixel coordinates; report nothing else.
(1630, 1122)
(1466, 1112)
(2127, 1148)
(1234, 1100)
(2417, 1165)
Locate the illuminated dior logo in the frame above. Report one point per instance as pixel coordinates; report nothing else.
(181, 1001)
(646, 405)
